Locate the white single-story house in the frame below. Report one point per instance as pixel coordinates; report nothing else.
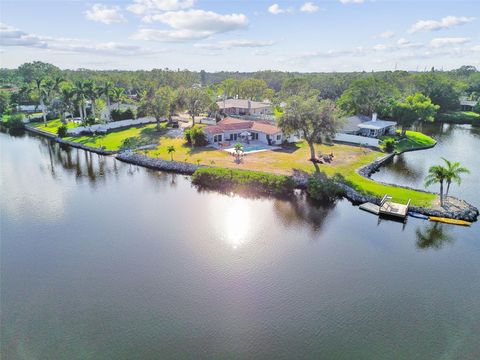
(233, 130)
(362, 125)
(466, 104)
(116, 106)
(244, 107)
(29, 108)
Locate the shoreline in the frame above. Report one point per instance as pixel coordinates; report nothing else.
(467, 211)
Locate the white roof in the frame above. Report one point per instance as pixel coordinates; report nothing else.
(377, 124)
(241, 104)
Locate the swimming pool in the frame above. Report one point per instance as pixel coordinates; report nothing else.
(249, 148)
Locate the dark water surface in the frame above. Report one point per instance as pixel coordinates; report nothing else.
(104, 260)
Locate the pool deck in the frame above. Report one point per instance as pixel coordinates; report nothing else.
(230, 149)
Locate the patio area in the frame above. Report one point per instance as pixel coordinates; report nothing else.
(248, 148)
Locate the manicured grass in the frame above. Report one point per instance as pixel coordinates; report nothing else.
(347, 159)
(52, 125)
(460, 117)
(114, 140)
(413, 141)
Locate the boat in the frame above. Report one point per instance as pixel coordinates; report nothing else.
(449, 221)
(417, 215)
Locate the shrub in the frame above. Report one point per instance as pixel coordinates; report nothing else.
(389, 144)
(130, 143)
(62, 131)
(118, 115)
(319, 187)
(196, 137)
(15, 123)
(243, 180)
(188, 137)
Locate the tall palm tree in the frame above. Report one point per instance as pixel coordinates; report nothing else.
(40, 88)
(67, 95)
(106, 90)
(436, 175)
(453, 171)
(93, 92)
(81, 99)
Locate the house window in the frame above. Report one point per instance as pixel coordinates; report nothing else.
(254, 136)
(217, 138)
(279, 137)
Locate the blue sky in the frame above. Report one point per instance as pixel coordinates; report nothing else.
(243, 35)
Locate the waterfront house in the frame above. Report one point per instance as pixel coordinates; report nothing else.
(362, 125)
(233, 130)
(467, 104)
(244, 107)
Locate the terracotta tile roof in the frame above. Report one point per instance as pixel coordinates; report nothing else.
(229, 124)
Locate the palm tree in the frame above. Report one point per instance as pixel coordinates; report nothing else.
(238, 148)
(67, 94)
(171, 150)
(436, 174)
(81, 98)
(106, 90)
(93, 92)
(39, 87)
(452, 173)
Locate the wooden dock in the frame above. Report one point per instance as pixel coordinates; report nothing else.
(389, 208)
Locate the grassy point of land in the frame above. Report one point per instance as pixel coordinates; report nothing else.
(347, 159)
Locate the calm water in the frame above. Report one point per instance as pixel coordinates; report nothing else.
(104, 260)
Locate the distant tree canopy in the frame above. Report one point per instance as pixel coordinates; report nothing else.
(355, 92)
(367, 96)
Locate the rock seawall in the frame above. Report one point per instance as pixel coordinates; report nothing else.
(156, 163)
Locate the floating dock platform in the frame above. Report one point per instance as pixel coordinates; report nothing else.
(387, 208)
(371, 208)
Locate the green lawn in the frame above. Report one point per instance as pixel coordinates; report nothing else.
(460, 117)
(114, 140)
(52, 125)
(347, 159)
(413, 140)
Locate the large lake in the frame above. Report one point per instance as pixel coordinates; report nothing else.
(105, 260)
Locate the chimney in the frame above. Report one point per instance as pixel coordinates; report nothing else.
(374, 117)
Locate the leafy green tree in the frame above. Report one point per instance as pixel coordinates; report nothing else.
(4, 101)
(252, 89)
(107, 91)
(37, 70)
(310, 118)
(440, 90)
(453, 172)
(294, 86)
(157, 103)
(196, 102)
(67, 96)
(417, 107)
(367, 96)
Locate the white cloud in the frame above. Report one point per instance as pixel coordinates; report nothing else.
(140, 7)
(445, 23)
(403, 41)
(475, 48)
(104, 14)
(10, 36)
(191, 25)
(386, 35)
(447, 41)
(309, 7)
(352, 1)
(227, 44)
(275, 9)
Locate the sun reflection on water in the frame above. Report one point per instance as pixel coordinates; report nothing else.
(234, 221)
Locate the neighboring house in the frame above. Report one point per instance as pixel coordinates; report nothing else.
(116, 106)
(230, 129)
(364, 126)
(467, 105)
(28, 108)
(244, 107)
